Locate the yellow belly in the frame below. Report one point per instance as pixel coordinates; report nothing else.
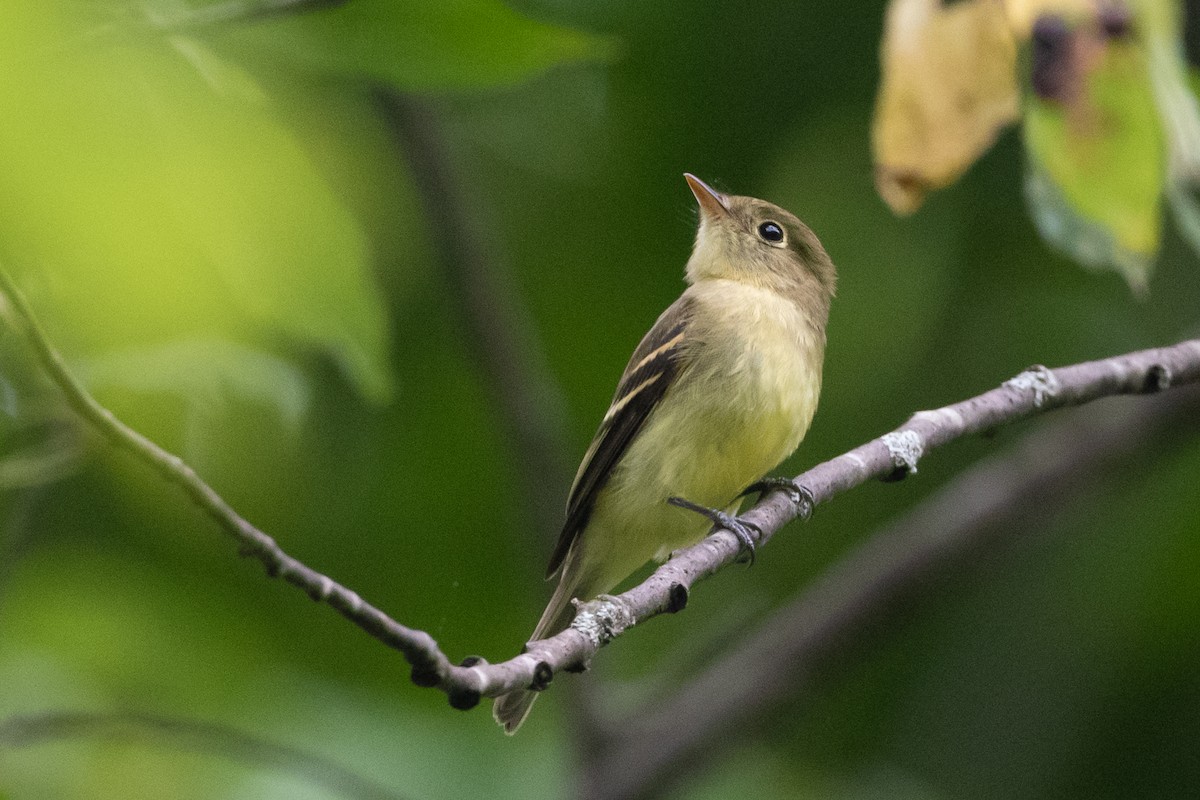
(741, 408)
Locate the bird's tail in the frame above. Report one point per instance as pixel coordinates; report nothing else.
(510, 710)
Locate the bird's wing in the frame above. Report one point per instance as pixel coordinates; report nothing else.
(652, 369)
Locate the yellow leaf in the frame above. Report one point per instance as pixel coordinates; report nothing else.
(949, 87)
(1023, 13)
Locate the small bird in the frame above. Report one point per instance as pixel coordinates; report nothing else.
(722, 389)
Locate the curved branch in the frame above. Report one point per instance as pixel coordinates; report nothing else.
(786, 652)
(1032, 392)
(417, 646)
(496, 326)
(600, 621)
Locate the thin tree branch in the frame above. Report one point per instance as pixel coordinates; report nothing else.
(500, 333)
(989, 504)
(429, 663)
(192, 736)
(1034, 391)
(600, 621)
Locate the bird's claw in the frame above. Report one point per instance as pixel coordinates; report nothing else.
(739, 528)
(799, 494)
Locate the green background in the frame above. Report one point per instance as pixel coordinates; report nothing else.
(221, 229)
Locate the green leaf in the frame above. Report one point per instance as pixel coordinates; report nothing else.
(1176, 89)
(421, 44)
(153, 195)
(210, 370)
(1097, 166)
(1169, 75)
(1090, 243)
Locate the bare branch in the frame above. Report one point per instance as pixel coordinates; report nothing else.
(1034, 391)
(190, 735)
(986, 505)
(429, 663)
(600, 621)
(498, 329)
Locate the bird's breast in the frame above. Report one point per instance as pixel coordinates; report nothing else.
(766, 360)
(740, 406)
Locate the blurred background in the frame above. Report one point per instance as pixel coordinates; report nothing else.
(373, 269)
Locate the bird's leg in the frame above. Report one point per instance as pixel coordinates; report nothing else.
(721, 519)
(798, 494)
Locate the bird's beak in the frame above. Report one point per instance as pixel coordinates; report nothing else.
(712, 203)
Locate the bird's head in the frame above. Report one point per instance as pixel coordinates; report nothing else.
(752, 241)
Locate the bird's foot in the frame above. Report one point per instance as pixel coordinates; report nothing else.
(720, 519)
(798, 494)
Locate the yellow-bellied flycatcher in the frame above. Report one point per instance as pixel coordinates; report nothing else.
(720, 390)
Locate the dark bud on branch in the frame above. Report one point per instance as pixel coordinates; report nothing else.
(1158, 378)
(425, 676)
(677, 598)
(542, 675)
(463, 699)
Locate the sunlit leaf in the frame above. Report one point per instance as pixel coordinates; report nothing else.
(1086, 241)
(1096, 158)
(948, 88)
(424, 44)
(1022, 13)
(152, 194)
(1175, 88)
(222, 76)
(207, 372)
(1160, 24)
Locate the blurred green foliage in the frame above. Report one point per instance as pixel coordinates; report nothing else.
(220, 231)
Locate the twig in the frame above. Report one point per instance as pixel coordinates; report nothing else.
(189, 735)
(600, 621)
(983, 506)
(499, 331)
(1034, 391)
(417, 646)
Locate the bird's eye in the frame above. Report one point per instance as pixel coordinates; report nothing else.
(771, 231)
